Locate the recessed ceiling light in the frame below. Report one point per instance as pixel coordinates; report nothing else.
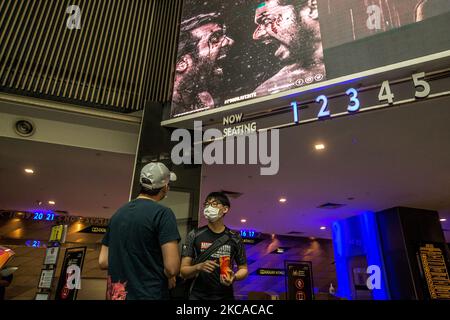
(319, 146)
(29, 171)
(243, 220)
(282, 200)
(443, 220)
(323, 228)
(51, 202)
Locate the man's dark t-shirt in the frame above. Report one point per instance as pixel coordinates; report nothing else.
(2, 289)
(134, 238)
(207, 286)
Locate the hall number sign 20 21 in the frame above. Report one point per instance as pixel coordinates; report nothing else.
(385, 94)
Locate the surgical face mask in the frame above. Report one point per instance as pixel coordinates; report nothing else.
(212, 214)
(165, 192)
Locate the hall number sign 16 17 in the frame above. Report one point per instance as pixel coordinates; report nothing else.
(423, 90)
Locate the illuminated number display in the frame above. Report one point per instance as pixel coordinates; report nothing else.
(354, 101)
(38, 216)
(295, 111)
(248, 233)
(385, 95)
(324, 112)
(420, 83)
(44, 216)
(34, 244)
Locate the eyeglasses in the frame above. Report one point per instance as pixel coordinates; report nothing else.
(213, 204)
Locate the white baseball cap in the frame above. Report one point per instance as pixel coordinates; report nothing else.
(156, 175)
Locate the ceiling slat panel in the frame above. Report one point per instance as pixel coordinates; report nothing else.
(120, 58)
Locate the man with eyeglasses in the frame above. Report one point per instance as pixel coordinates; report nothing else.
(214, 278)
(289, 32)
(202, 49)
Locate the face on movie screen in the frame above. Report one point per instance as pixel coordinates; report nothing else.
(233, 51)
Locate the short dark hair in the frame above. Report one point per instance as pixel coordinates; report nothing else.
(219, 196)
(149, 192)
(187, 44)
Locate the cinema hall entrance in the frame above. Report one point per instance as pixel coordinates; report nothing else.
(326, 124)
(348, 183)
(327, 202)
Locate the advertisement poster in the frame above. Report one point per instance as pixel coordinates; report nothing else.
(51, 256)
(41, 296)
(59, 233)
(72, 256)
(299, 280)
(233, 51)
(46, 278)
(435, 270)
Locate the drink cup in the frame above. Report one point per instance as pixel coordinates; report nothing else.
(225, 268)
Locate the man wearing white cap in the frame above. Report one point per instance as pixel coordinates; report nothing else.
(140, 247)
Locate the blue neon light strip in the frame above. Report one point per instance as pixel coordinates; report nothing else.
(372, 243)
(295, 109)
(362, 228)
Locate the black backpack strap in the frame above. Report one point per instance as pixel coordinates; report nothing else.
(198, 232)
(205, 255)
(214, 246)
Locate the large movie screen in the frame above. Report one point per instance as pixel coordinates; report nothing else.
(231, 51)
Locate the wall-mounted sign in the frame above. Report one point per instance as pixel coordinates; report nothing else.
(280, 250)
(58, 233)
(347, 100)
(233, 126)
(41, 296)
(46, 278)
(72, 257)
(251, 241)
(51, 256)
(386, 97)
(299, 280)
(52, 217)
(94, 229)
(435, 271)
(270, 272)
